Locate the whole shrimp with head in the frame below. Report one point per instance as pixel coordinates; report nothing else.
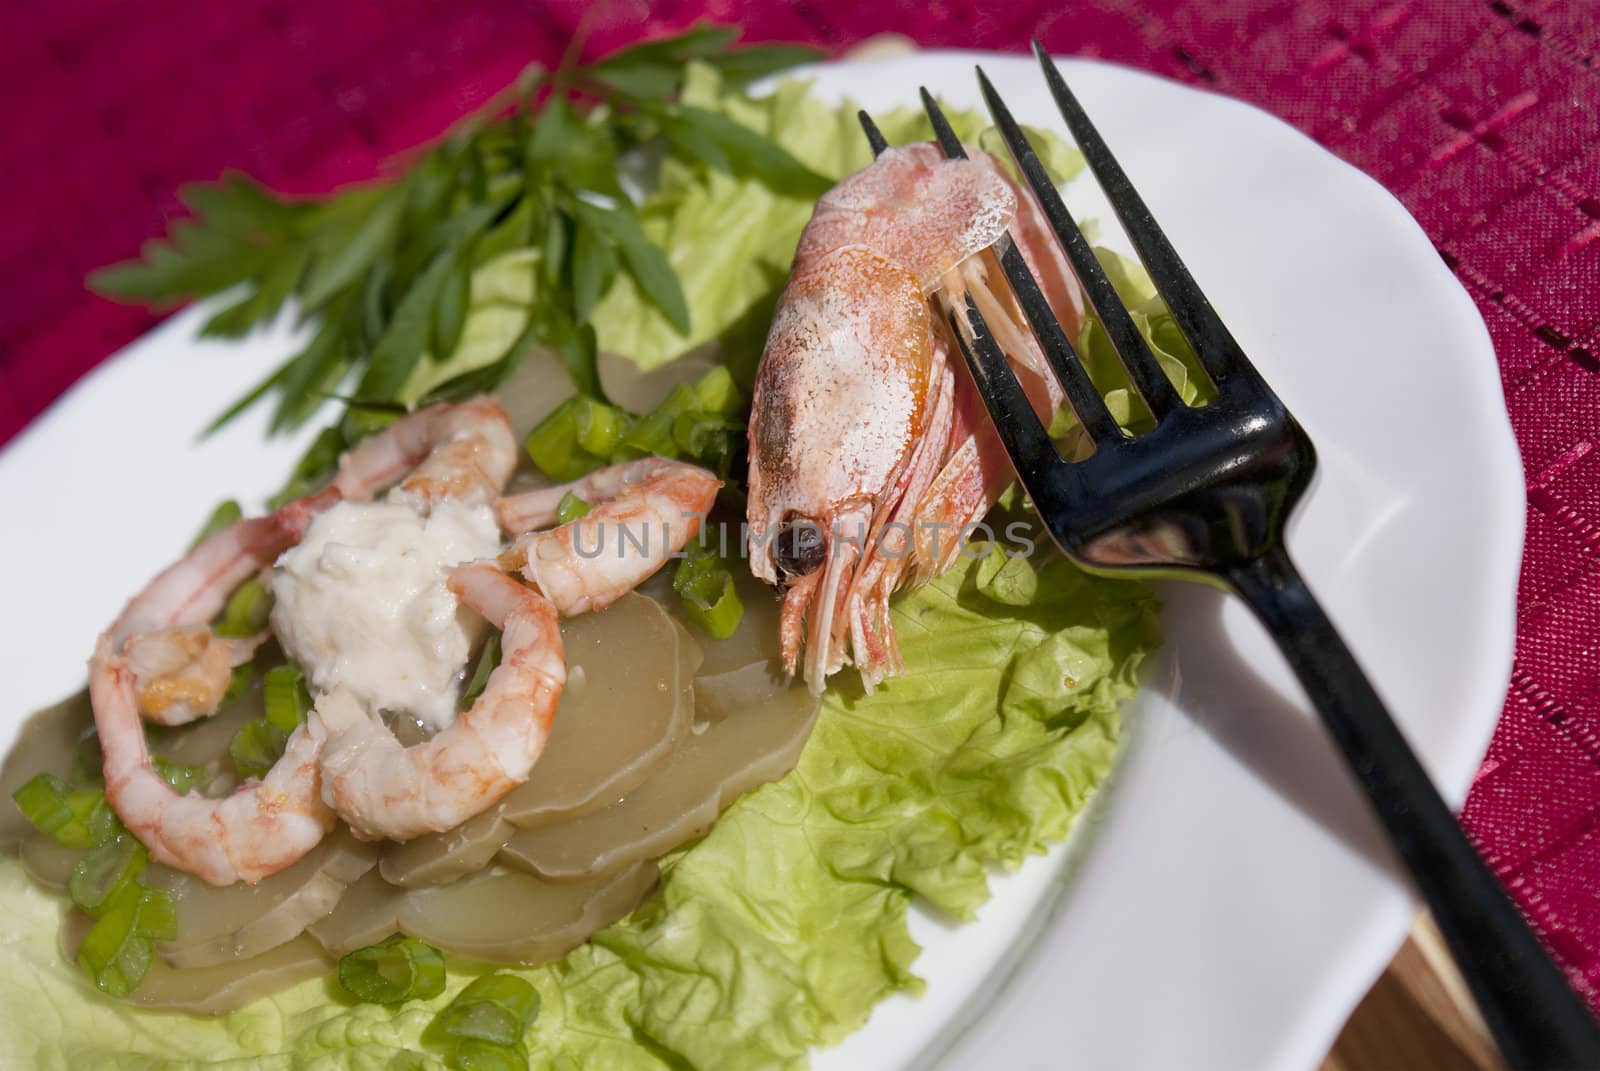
(870, 452)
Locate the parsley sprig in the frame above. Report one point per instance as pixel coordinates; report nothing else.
(382, 271)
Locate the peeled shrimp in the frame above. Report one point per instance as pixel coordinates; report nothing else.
(870, 452)
(383, 789)
(641, 514)
(260, 829)
(180, 668)
(464, 452)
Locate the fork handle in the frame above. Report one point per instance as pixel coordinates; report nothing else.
(1536, 1018)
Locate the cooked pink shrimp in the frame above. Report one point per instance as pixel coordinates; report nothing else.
(870, 453)
(463, 451)
(260, 829)
(383, 789)
(180, 667)
(641, 513)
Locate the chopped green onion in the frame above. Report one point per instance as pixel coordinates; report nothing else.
(497, 1008)
(553, 442)
(157, 914)
(709, 440)
(570, 508)
(86, 758)
(284, 694)
(260, 742)
(59, 811)
(82, 831)
(105, 872)
(600, 426)
(256, 747)
(679, 400)
(715, 392)
(43, 801)
(104, 825)
(487, 661)
(176, 774)
(582, 434)
(579, 436)
(690, 431)
(474, 1055)
(719, 451)
(692, 420)
(247, 610)
(401, 968)
(243, 677)
(710, 600)
(226, 513)
(652, 436)
(114, 953)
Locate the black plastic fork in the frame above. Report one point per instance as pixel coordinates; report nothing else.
(1205, 496)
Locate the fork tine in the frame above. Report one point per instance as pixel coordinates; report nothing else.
(875, 136)
(1215, 345)
(1141, 365)
(943, 133)
(1080, 390)
(1044, 475)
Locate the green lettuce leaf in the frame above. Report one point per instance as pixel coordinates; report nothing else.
(781, 928)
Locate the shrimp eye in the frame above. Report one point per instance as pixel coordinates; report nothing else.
(799, 548)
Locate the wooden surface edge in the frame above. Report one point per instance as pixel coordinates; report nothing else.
(1417, 1017)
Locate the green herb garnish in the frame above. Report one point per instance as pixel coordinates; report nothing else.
(384, 270)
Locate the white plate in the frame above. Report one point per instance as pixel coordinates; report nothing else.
(1232, 900)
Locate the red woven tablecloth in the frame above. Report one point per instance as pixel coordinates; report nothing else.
(1481, 116)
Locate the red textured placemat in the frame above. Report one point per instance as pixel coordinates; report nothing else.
(1481, 116)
